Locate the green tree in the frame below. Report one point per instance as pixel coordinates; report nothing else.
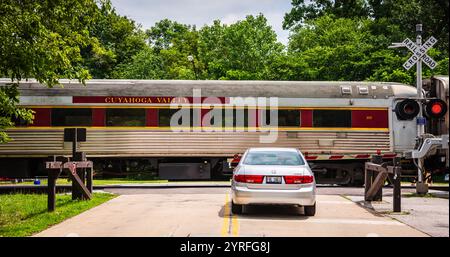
(119, 37)
(434, 15)
(41, 40)
(172, 43)
(303, 11)
(242, 50)
(144, 65)
(332, 48)
(357, 33)
(165, 33)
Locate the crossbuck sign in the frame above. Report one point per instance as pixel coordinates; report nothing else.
(419, 53)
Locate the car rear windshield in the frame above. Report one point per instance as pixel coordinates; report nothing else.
(273, 158)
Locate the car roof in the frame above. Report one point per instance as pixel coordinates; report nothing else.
(273, 149)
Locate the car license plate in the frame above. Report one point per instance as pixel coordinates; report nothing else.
(273, 180)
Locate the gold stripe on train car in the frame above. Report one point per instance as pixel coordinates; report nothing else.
(199, 129)
(203, 107)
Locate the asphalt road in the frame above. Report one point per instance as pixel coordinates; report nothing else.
(321, 190)
(206, 212)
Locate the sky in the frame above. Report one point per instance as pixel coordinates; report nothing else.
(201, 12)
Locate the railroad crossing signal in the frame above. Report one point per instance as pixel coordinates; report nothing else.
(419, 52)
(407, 110)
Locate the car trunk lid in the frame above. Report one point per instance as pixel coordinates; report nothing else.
(274, 171)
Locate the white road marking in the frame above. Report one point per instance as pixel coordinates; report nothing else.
(355, 221)
(339, 221)
(335, 202)
(72, 235)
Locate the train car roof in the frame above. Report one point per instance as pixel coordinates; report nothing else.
(226, 88)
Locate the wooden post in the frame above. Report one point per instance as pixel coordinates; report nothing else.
(379, 195)
(76, 169)
(89, 178)
(370, 177)
(51, 189)
(82, 174)
(76, 193)
(78, 185)
(377, 184)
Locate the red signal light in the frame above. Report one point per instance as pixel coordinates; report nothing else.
(435, 108)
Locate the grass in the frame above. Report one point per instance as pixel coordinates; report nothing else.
(102, 182)
(443, 184)
(395, 213)
(26, 214)
(427, 195)
(97, 182)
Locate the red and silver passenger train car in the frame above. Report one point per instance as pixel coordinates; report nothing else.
(337, 125)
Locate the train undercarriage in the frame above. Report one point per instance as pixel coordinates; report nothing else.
(342, 172)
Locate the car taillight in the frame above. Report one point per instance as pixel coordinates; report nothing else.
(257, 179)
(239, 178)
(298, 179)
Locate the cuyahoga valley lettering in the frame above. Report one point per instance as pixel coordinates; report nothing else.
(145, 100)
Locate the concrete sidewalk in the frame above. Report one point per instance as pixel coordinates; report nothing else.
(209, 214)
(428, 214)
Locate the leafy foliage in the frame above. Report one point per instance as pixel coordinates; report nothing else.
(302, 12)
(345, 49)
(119, 39)
(239, 51)
(9, 112)
(347, 40)
(434, 15)
(41, 40)
(144, 65)
(166, 56)
(242, 50)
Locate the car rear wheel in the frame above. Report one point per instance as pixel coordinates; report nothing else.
(236, 208)
(310, 210)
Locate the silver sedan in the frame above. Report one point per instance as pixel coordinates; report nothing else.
(273, 176)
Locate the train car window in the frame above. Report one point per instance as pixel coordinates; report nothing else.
(164, 116)
(125, 117)
(240, 121)
(71, 117)
(286, 118)
(264, 119)
(230, 117)
(18, 122)
(289, 118)
(332, 118)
